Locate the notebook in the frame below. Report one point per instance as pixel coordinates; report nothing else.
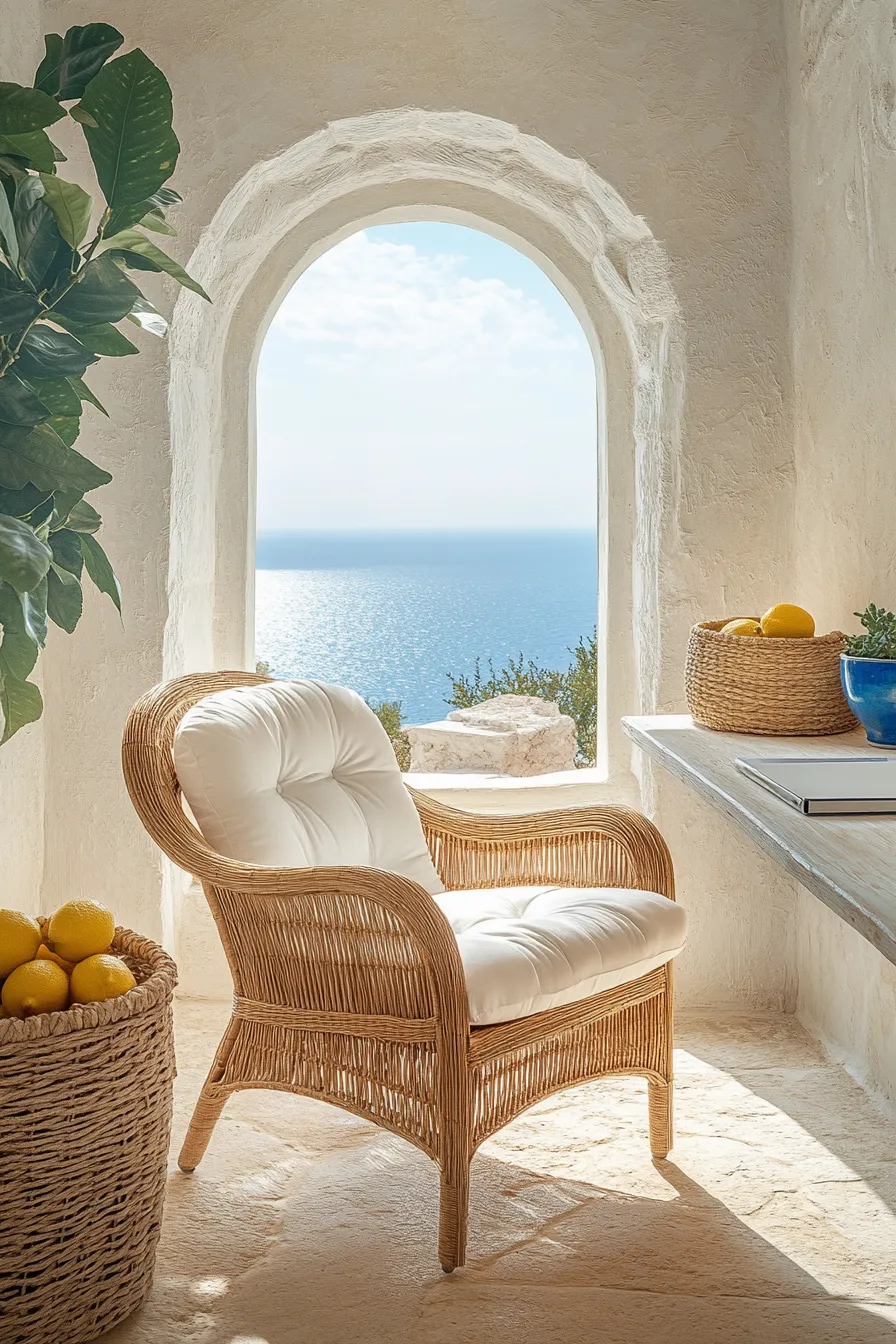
(827, 785)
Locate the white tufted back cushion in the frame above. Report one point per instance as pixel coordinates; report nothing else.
(298, 774)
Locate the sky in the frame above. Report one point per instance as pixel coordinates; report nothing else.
(424, 376)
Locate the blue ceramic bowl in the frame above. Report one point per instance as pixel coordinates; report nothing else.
(870, 688)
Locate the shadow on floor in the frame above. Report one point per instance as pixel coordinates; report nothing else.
(552, 1261)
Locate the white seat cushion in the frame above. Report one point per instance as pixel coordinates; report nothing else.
(527, 949)
(299, 774)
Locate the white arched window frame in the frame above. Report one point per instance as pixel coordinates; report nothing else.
(402, 166)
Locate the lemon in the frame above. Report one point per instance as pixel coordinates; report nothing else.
(43, 953)
(785, 621)
(19, 940)
(742, 626)
(80, 929)
(101, 977)
(35, 987)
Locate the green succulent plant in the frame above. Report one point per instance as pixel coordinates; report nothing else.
(879, 640)
(65, 286)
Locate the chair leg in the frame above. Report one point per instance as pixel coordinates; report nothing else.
(209, 1105)
(659, 1101)
(454, 1205)
(205, 1116)
(659, 1090)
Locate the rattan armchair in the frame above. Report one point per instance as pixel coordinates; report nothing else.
(348, 984)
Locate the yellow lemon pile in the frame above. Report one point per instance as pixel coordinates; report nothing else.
(782, 621)
(47, 965)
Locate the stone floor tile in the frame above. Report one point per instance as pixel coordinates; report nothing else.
(774, 1222)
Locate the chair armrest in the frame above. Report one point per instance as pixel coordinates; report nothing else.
(340, 940)
(577, 846)
(405, 901)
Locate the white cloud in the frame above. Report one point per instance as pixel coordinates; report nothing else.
(369, 300)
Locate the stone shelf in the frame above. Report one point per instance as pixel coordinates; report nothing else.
(848, 862)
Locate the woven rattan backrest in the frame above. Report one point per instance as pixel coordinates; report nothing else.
(148, 763)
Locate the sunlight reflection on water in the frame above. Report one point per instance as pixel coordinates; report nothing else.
(393, 631)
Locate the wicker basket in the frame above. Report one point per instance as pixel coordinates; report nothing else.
(85, 1113)
(783, 687)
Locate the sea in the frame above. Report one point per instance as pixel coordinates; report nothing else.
(392, 614)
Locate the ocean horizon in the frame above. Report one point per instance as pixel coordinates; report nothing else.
(391, 613)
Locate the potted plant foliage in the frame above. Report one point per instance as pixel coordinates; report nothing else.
(868, 670)
(66, 264)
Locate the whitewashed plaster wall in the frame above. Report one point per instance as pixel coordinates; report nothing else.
(22, 759)
(842, 61)
(680, 107)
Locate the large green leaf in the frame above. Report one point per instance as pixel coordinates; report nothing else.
(101, 294)
(16, 311)
(99, 569)
(47, 76)
(143, 315)
(131, 243)
(13, 469)
(34, 612)
(164, 197)
(84, 53)
(10, 280)
(157, 203)
(65, 543)
(77, 113)
(68, 427)
(33, 149)
(71, 205)
(20, 704)
(8, 239)
(47, 353)
(18, 404)
(47, 461)
(64, 501)
(102, 339)
(41, 515)
(72, 62)
(18, 651)
(23, 110)
(83, 393)
(24, 558)
(133, 146)
(156, 222)
(43, 255)
(20, 503)
(64, 599)
(83, 517)
(18, 303)
(57, 394)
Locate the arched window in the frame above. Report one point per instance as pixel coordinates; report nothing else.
(427, 496)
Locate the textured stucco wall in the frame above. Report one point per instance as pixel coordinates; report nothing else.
(847, 996)
(842, 61)
(22, 759)
(843, 133)
(679, 106)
